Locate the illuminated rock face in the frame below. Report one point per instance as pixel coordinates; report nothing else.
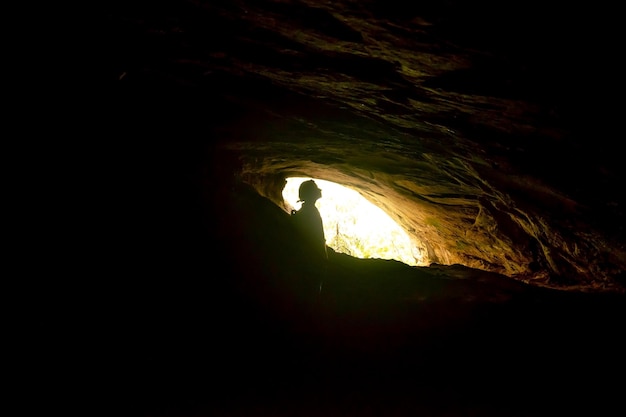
(482, 138)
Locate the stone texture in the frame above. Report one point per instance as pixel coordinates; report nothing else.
(475, 132)
(488, 131)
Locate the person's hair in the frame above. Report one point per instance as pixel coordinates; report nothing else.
(307, 190)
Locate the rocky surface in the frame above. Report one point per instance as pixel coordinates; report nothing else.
(484, 129)
(476, 127)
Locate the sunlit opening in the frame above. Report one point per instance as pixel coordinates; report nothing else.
(356, 227)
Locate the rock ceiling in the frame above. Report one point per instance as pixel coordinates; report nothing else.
(482, 129)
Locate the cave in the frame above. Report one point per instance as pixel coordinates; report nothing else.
(487, 132)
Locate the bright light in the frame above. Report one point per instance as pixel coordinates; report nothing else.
(355, 226)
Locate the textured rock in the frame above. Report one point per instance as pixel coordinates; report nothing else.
(487, 130)
(479, 135)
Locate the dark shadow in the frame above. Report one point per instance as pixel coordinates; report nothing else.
(229, 331)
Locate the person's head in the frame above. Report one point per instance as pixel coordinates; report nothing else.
(309, 192)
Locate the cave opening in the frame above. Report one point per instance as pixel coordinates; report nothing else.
(356, 227)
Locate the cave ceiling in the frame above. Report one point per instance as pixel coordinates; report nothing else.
(483, 128)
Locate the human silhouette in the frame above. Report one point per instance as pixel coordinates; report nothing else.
(309, 223)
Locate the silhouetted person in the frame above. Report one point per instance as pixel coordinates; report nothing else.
(309, 223)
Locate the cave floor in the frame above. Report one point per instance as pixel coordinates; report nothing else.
(448, 347)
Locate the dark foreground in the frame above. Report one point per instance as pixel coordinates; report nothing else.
(205, 317)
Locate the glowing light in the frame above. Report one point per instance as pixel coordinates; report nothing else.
(355, 226)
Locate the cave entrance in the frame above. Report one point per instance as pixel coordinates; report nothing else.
(356, 227)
